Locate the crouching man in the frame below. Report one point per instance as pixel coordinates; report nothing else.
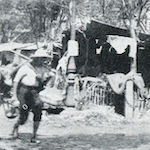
(28, 82)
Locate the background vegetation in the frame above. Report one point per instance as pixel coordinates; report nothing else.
(46, 19)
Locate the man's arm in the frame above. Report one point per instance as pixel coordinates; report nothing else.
(15, 87)
(19, 76)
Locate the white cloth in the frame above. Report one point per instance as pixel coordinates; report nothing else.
(63, 62)
(27, 75)
(52, 96)
(117, 82)
(120, 43)
(6, 71)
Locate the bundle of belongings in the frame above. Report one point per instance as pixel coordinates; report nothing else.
(54, 94)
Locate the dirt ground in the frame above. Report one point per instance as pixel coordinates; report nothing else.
(79, 130)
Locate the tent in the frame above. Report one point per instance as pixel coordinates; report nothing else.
(88, 62)
(98, 30)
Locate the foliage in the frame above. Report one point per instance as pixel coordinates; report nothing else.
(47, 18)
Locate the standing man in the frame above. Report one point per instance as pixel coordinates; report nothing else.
(28, 82)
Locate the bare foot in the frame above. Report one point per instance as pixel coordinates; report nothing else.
(33, 140)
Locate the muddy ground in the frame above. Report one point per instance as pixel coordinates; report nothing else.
(79, 130)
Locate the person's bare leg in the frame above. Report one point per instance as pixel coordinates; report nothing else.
(35, 128)
(15, 130)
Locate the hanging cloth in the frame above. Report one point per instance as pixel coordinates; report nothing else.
(120, 43)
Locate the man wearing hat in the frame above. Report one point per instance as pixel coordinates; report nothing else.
(28, 82)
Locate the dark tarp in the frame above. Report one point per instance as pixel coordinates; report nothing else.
(89, 63)
(143, 58)
(107, 61)
(99, 30)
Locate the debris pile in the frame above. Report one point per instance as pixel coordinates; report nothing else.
(92, 116)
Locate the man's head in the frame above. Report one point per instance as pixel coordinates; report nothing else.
(41, 58)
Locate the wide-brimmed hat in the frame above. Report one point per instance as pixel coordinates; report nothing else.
(41, 53)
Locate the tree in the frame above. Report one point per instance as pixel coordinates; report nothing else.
(44, 17)
(5, 11)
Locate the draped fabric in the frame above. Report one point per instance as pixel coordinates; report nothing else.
(118, 81)
(144, 63)
(111, 62)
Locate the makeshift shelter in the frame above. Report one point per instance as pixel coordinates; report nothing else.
(89, 63)
(98, 31)
(106, 61)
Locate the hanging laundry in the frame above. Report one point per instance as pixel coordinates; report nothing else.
(111, 62)
(118, 81)
(120, 43)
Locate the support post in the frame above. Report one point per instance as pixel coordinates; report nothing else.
(129, 92)
(71, 69)
(129, 100)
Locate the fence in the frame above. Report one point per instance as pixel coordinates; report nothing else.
(98, 91)
(141, 101)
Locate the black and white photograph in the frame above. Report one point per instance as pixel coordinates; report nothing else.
(74, 74)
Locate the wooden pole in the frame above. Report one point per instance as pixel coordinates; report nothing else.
(129, 93)
(70, 97)
(73, 17)
(73, 32)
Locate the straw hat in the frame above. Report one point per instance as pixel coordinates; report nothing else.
(40, 53)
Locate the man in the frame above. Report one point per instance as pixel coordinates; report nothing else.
(28, 82)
